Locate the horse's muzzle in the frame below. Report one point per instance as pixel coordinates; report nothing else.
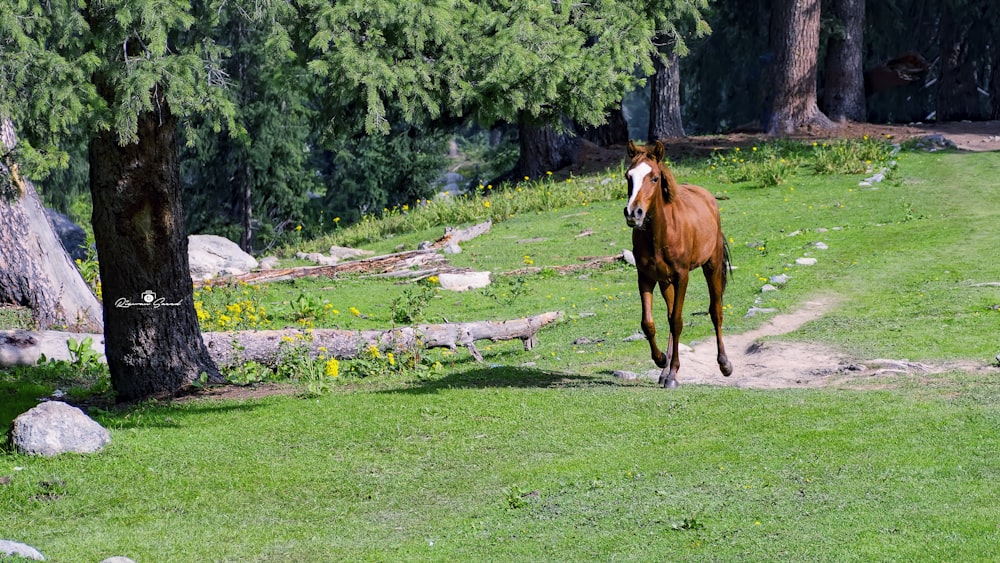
(635, 218)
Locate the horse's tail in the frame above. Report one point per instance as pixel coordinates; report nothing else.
(727, 265)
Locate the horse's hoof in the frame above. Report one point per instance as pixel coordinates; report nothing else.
(671, 384)
(660, 362)
(726, 367)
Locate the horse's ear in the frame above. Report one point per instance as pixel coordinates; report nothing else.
(631, 150)
(658, 151)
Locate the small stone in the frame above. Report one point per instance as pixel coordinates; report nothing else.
(628, 256)
(625, 375)
(117, 559)
(464, 281)
(768, 287)
(21, 550)
(634, 337)
(821, 246)
(794, 233)
(806, 261)
(780, 279)
(268, 263)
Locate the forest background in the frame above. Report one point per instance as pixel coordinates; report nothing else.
(304, 153)
(271, 121)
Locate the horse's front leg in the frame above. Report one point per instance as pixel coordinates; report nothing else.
(674, 296)
(648, 325)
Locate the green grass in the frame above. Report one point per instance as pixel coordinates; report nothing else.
(506, 464)
(542, 455)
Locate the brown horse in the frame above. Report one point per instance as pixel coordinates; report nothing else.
(675, 228)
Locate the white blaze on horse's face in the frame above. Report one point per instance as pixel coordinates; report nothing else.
(634, 216)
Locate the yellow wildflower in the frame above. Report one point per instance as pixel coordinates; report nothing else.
(392, 359)
(332, 367)
(354, 311)
(486, 204)
(373, 351)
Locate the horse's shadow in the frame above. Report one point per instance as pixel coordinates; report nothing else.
(494, 377)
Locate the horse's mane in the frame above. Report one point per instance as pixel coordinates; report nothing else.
(668, 177)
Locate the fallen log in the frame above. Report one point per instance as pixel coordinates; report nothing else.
(21, 347)
(374, 265)
(377, 265)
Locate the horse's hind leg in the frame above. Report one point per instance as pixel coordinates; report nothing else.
(715, 276)
(647, 324)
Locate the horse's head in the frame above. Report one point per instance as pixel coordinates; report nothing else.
(644, 178)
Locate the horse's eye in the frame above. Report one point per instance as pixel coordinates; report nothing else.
(656, 178)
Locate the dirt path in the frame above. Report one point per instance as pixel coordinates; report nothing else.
(761, 363)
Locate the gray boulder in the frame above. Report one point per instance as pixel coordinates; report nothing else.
(210, 256)
(20, 550)
(71, 235)
(345, 253)
(53, 428)
(268, 263)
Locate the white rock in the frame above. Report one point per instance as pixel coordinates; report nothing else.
(806, 261)
(767, 287)
(820, 246)
(628, 256)
(464, 281)
(210, 256)
(343, 252)
(268, 263)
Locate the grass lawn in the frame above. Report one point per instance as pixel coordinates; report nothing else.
(542, 455)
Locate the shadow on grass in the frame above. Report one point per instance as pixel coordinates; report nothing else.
(16, 399)
(484, 377)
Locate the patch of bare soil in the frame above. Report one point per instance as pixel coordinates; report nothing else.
(965, 135)
(761, 363)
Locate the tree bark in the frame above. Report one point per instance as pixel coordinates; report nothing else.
(21, 347)
(543, 149)
(957, 93)
(995, 83)
(35, 270)
(844, 93)
(665, 98)
(794, 38)
(154, 344)
(614, 132)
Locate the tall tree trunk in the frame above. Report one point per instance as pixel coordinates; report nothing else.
(543, 149)
(957, 94)
(665, 98)
(614, 132)
(844, 94)
(35, 270)
(243, 182)
(794, 39)
(152, 338)
(995, 82)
